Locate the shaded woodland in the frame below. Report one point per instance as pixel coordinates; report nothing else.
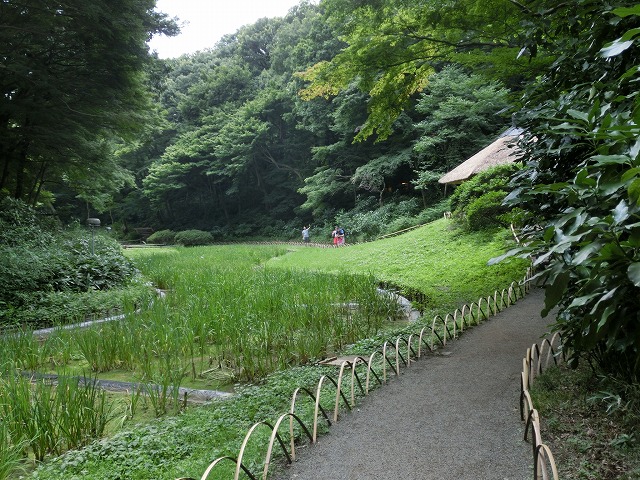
(223, 142)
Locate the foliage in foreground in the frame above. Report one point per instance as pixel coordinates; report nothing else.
(51, 419)
(582, 178)
(590, 421)
(44, 267)
(183, 445)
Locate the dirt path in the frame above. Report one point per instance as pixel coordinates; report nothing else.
(452, 416)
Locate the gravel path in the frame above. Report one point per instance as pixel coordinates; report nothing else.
(453, 415)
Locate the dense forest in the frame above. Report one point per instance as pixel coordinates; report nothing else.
(345, 111)
(228, 141)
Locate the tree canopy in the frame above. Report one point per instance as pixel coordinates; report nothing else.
(393, 47)
(72, 84)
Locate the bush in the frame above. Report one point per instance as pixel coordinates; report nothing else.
(165, 237)
(107, 268)
(486, 211)
(478, 197)
(434, 212)
(192, 238)
(367, 222)
(39, 259)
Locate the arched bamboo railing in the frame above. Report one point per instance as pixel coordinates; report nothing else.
(538, 358)
(402, 351)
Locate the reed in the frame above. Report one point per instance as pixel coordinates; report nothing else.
(52, 418)
(24, 349)
(222, 311)
(11, 454)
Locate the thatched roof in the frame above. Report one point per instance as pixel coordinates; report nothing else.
(502, 151)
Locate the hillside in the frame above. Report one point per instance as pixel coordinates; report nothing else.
(437, 260)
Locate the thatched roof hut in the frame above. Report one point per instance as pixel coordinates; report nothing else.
(502, 151)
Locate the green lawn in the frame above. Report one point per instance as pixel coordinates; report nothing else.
(448, 266)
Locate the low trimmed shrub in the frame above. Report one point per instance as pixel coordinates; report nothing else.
(481, 197)
(164, 237)
(192, 238)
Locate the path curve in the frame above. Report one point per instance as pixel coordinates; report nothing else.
(450, 416)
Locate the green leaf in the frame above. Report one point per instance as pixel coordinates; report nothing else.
(633, 272)
(582, 178)
(633, 191)
(510, 253)
(631, 72)
(630, 34)
(629, 174)
(615, 48)
(621, 212)
(604, 299)
(555, 292)
(634, 237)
(626, 11)
(610, 159)
(604, 318)
(585, 253)
(611, 251)
(583, 300)
(578, 114)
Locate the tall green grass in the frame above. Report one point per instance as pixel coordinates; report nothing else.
(248, 311)
(43, 418)
(251, 319)
(222, 310)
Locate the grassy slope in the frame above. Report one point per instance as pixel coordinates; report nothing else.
(448, 266)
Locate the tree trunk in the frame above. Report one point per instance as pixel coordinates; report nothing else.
(37, 185)
(20, 169)
(5, 171)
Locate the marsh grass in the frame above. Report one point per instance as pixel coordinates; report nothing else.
(52, 418)
(11, 454)
(223, 312)
(235, 315)
(240, 312)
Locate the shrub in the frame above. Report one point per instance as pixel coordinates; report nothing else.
(280, 230)
(38, 259)
(165, 237)
(486, 211)
(243, 230)
(367, 223)
(107, 268)
(191, 238)
(434, 212)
